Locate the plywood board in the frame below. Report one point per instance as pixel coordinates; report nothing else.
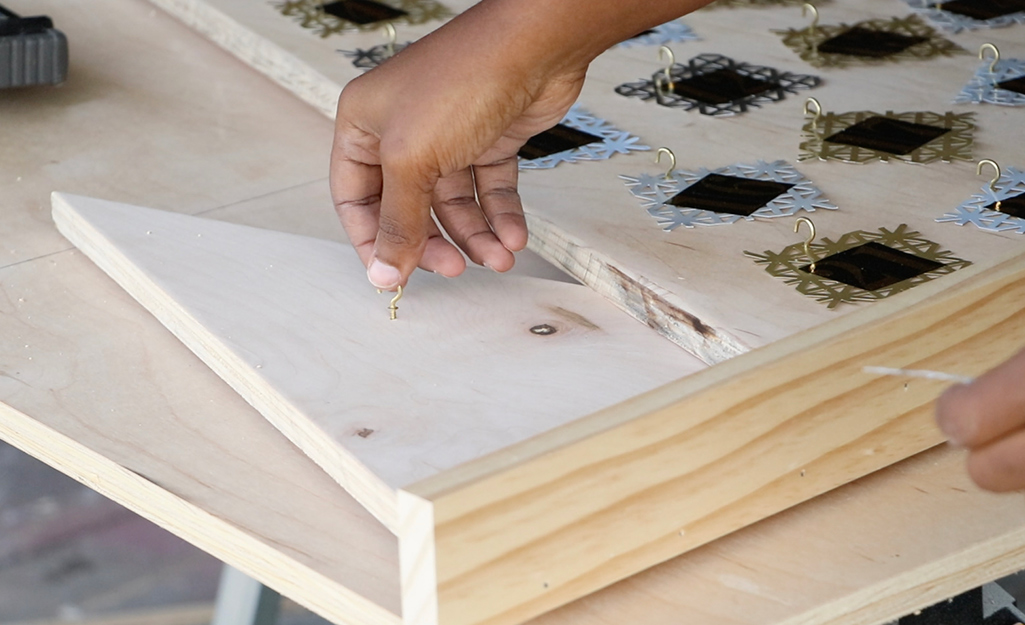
(868, 552)
(683, 465)
(93, 386)
(132, 68)
(695, 285)
(291, 323)
(536, 524)
(311, 66)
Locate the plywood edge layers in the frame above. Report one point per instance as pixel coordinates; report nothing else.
(640, 298)
(367, 488)
(417, 565)
(923, 586)
(569, 512)
(212, 534)
(258, 52)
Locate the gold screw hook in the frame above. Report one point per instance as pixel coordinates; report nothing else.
(672, 161)
(808, 240)
(666, 51)
(806, 8)
(993, 181)
(818, 109)
(996, 55)
(389, 32)
(393, 307)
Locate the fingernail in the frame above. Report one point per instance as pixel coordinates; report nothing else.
(952, 428)
(488, 266)
(383, 276)
(958, 427)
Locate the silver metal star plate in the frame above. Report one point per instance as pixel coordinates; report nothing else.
(655, 191)
(983, 85)
(614, 141)
(974, 211)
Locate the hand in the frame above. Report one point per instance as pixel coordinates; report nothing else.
(439, 126)
(988, 418)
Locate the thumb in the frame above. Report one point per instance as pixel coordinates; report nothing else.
(403, 225)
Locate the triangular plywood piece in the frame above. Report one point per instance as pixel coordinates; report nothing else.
(291, 323)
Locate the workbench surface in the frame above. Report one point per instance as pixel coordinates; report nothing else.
(90, 383)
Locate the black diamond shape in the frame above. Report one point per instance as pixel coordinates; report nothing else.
(729, 194)
(557, 139)
(984, 9)
(888, 135)
(363, 11)
(858, 41)
(1016, 85)
(721, 86)
(872, 266)
(1013, 206)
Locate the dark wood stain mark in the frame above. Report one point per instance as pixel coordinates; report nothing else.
(655, 306)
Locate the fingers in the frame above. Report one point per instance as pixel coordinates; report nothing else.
(455, 204)
(496, 188)
(1000, 466)
(440, 256)
(356, 189)
(993, 405)
(404, 220)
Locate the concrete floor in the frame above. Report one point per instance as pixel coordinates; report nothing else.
(68, 554)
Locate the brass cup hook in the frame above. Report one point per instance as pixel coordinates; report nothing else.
(389, 32)
(808, 240)
(808, 104)
(672, 160)
(996, 55)
(807, 8)
(393, 308)
(993, 181)
(667, 52)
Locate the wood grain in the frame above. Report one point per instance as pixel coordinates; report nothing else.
(379, 404)
(310, 66)
(133, 67)
(665, 472)
(94, 387)
(695, 286)
(863, 554)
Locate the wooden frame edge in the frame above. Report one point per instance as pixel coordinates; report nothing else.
(212, 534)
(489, 528)
(261, 54)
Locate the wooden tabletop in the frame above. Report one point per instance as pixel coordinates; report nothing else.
(90, 383)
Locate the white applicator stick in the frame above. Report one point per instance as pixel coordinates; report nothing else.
(919, 373)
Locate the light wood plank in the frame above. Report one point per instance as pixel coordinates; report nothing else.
(695, 286)
(138, 72)
(291, 323)
(864, 554)
(310, 66)
(92, 386)
(542, 522)
(673, 469)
